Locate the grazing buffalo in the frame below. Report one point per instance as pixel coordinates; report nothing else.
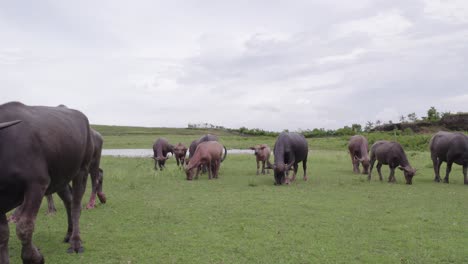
(262, 154)
(180, 151)
(358, 150)
(393, 155)
(41, 155)
(161, 148)
(290, 149)
(451, 148)
(193, 147)
(194, 144)
(210, 154)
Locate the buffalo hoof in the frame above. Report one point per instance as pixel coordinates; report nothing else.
(90, 206)
(102, 197)
(437, 179)
(446, 180)
(305, 178)
(78, 250)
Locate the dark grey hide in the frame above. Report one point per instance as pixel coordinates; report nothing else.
(358, 150)
(290, 149)
(451, 148)
(50, 148)
(391, 154)
(161, 148)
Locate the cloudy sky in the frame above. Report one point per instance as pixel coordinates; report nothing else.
(257, 63)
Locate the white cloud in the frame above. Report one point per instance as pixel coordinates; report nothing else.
(452, 11)
(384, 24)
(353, 55)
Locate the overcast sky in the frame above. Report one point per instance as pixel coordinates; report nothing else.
(257, 63)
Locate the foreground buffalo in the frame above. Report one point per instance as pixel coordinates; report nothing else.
(97, 176)
(451, 148)
(160, 149)
(262, 154)
(41, 155)
(290, 149)
(209, 154)
(393, 155)
(180, 151)
(358, 150)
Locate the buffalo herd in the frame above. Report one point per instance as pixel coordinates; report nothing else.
(47, 150)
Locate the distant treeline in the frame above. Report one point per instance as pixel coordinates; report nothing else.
(408, 126)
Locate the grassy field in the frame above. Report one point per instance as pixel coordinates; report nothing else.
(335, 217)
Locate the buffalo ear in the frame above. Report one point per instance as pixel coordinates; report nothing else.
(252, 148)
(262, 147)
(402, 168)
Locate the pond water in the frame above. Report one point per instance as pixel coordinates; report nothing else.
(136, 153)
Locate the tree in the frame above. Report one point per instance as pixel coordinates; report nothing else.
(378, 123)
(356, 128)
(412, 117)
(433, 114)
(369, 126)
(402, 119)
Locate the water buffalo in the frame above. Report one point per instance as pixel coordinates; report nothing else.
(193, 147)
(208, 153)
(262, 154)
(451, 148)
(161, 148)
(41, 155)
(358, 150)
(180, 151)
(96, 173)
(194, 144)
(290, 149)
(393, 155)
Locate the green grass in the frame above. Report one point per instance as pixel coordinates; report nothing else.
(335, 217)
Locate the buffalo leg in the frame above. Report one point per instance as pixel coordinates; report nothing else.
(50, 205)
(372, 161)
(4, 236)
(353, 161)
(97, 176)
(465, 168)
(436, 165)
(391, 177)
(209, 170)
(66, 196)
(295, 166)
(177, 161)
(263, 167)
(447, 171)
(79, 187)
(258, 167)
(379, 167)
(25, 225)
(304, 167)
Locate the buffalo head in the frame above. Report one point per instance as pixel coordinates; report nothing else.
(409, 173)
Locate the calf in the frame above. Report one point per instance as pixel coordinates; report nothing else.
(161, 148)
(180, 151)
(290, 149)
(262, 154)
(210, 154)
(358, 150)
(393, 155)
(451, 148)
(52, 146)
